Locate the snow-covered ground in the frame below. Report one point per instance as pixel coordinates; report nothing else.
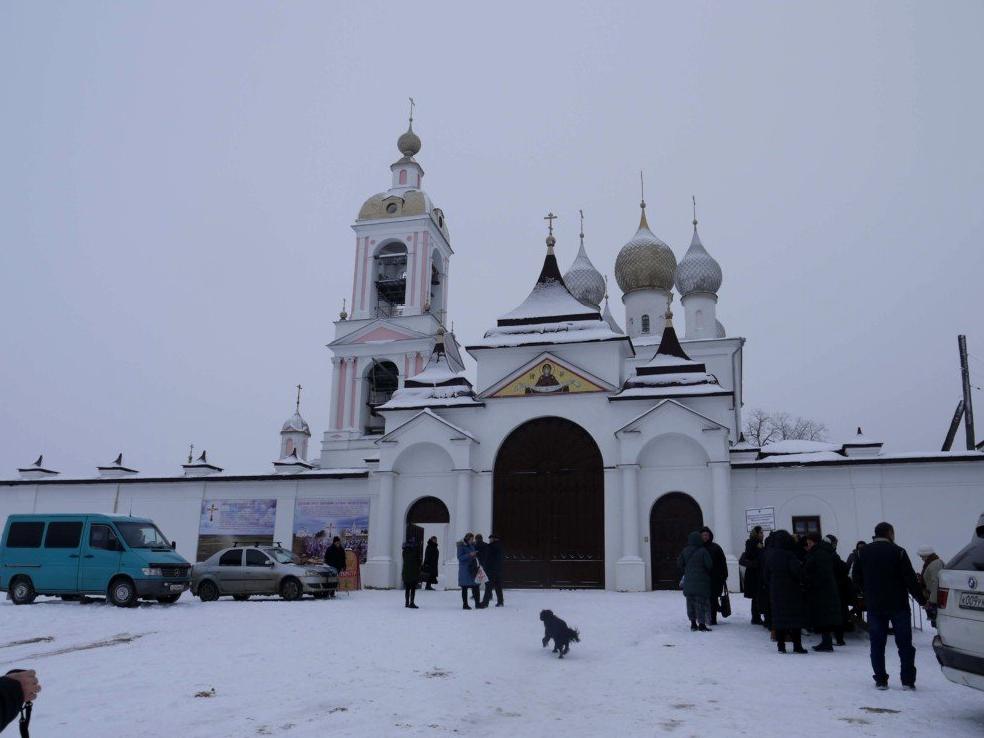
(363, 665)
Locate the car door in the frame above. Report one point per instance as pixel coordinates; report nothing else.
(230, 572)
(258, 574)
(101, 552)
(59, 570)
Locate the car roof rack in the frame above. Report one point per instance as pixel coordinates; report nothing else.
(257, 544)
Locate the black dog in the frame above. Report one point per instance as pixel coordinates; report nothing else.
(554, 627)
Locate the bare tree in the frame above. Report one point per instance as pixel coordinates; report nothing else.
(763, 427)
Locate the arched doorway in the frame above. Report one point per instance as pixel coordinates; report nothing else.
(428, 517)
(549, 506)
(673, 517)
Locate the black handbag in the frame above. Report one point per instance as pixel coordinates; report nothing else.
(725, 608)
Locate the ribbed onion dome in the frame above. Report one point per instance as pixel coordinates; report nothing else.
(409, 142)
(296, 423)
(698, 271)
(645, 262)
(610, 319)
(584, 281)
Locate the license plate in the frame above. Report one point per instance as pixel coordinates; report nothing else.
(177, 587)
(972, 600)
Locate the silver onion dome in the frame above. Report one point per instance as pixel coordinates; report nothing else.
(698, 271)
(295, 423)
(645, 262)
(584, 281)
(409, 142)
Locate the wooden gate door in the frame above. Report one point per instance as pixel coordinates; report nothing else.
(549, 506)
(673, 518)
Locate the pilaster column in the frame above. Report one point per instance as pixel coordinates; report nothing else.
(721, 480)
(630, 570)
(379, 562)
(336, 392)
(462, 504)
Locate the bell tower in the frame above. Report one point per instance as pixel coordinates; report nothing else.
(398, 300)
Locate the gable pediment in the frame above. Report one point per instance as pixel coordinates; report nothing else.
(427, 421)
(544, 376)
(673, 412)
(379, 331)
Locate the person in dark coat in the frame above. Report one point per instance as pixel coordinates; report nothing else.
(16, 688)
(467, 569)
(822, 595)
(719, 576)
(768, 546)
(411, 572)
(751, 560)
(853, 556)
(432, 558)
(784, 575)
(884, 573)
(494, 556)
(698, 569)
(335, 555)
(845, 588)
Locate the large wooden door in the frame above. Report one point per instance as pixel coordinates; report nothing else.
(549, 506)
(673, 518)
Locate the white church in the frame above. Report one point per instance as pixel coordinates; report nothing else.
(591, 447)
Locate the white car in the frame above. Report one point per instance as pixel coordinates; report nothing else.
(960, 644)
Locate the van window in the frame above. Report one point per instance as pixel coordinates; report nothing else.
(232, 558)
(63, 535)
(255, 558)
(25, 535)
(102, 536)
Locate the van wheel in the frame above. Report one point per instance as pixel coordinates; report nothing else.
(290, 589)
(22, 591)
(240, 598)
(168, 599)
(122, 592)
(208, 592)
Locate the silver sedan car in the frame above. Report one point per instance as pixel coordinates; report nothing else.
(242, 571)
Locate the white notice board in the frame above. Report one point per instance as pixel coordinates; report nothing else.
(764, 516)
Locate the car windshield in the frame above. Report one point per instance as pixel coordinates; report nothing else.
(281, 555)
(143, 535)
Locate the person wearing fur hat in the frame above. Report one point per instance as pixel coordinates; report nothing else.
(930, 580)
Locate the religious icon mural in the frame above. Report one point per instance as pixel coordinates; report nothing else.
(547, 377)
(318, 521)
(226, 522)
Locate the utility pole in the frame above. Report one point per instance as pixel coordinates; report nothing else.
(954, 424)
(968, 406)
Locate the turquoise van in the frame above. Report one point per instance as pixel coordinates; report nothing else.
(125, 559)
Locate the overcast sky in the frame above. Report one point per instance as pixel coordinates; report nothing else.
(178, 183)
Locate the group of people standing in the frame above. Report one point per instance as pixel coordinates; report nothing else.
(705, 575)
(480, 562)
(801, 583)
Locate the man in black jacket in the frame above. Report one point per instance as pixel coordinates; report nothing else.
(719, 573)
(885, 575)
(493, 568)
(16, 688)
(335, 555)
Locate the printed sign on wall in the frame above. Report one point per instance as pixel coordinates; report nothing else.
(547, 378)
(317, 522)
(764, 516)
(225, 522)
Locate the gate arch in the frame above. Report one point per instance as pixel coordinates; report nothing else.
(548, 506)
(672, 518)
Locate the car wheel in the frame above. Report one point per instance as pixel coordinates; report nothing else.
(290, 589)
(122, 592)
(208, 592)
(22, 591)
(240, 598)
(168, 599)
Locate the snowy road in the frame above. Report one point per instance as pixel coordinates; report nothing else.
(365, 666)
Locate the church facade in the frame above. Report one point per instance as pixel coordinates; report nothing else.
(589, 448)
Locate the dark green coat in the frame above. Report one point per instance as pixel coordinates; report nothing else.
(411, 566)
(696, 564)
(822, 591)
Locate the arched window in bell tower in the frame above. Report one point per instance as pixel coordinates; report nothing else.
(382, 380)
(391, 279)
(645, 324)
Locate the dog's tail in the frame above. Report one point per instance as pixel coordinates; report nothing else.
(577, 636)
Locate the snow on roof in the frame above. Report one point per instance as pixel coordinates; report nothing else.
(568, 331)
(860, 439)
(812, 456)
(454, 395)
(546, 300)
(744, 445)
(799, 446)
(690, 390)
